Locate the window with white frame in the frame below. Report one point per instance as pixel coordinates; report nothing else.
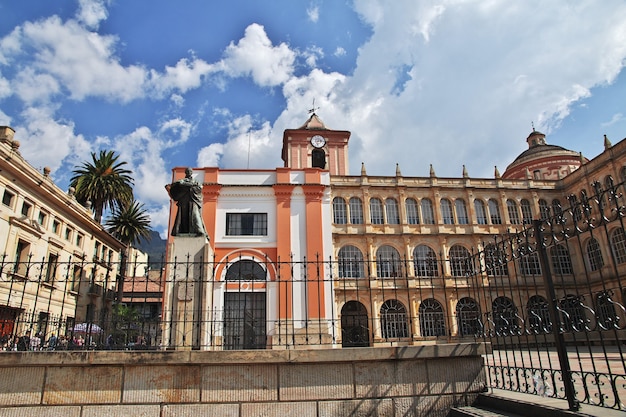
(412, 214)
(388, 263)
(350, 262)
(339, 211)
(356, 210)
(511, 207)
(594, 255)
(494, 212)
(425, 261)
(446, 211)
(376, 211)
(481, 214)
(391, 208)
(618, 243)
(561, 261)
(527, 212)
(393, 320)
(246, 224)
(461, 211)
(428, 215)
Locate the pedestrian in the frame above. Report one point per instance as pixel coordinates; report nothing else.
(35, 342)
(23, 342)
(52, 342)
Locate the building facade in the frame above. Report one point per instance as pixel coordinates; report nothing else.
(391, 252)
(58, 265)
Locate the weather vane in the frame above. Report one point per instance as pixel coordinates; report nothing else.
(312, 110)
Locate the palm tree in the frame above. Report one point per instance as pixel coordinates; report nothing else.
(129, 223)
(104, 182)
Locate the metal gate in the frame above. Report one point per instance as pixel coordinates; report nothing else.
(552, 301)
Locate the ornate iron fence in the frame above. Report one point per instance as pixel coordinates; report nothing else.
(550, 299)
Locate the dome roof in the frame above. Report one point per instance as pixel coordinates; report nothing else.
(539, 155)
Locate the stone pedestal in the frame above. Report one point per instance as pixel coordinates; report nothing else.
(190, 263)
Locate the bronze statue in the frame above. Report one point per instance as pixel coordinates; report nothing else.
(187, 193)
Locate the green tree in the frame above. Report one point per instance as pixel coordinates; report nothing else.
(105, 182)
(128, 223)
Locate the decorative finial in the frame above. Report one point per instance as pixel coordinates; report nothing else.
(582, 159)
(432, 171)
(607, 143)
(465, 174)
(496, 173)
(398, 173)
(363, 173)
(532, 124)
(528, 174)
(312, 109)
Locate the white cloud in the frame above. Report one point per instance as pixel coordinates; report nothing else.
(255, 56)
(339, 51)
(186, 75)
(91, 12)
(479, 74)
(46, 141)
(313, 13)
(83, 62)
(618, 117)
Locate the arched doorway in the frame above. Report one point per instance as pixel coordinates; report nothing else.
(354, 325)
(244, 310)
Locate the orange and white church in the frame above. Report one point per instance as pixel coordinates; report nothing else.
(257, 220)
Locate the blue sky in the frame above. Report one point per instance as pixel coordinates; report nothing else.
(195, 83)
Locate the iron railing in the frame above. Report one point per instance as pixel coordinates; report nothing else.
(550, 299)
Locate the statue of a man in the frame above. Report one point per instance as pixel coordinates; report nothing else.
(187, 193)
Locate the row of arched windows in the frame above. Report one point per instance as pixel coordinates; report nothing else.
(426, 263)
(506, 319)
(422, 212)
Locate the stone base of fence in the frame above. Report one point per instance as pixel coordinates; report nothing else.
(387, 381)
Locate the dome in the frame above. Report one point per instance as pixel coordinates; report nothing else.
(543, 161)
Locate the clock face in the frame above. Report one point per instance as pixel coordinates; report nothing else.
(318, 141)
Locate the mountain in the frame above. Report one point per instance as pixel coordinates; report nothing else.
(154, 247)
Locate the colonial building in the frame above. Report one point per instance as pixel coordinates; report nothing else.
(362, 260)
(58, 266)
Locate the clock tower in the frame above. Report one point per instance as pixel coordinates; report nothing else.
(313, 145)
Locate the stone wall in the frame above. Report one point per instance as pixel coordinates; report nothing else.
(387, 381)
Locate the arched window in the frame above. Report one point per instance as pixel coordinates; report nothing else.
(412, 215)
(425, 262)
(459, 261)
(495, 261)
(356, 210)
(391, 207)
(594, 255)
(481, 214)
(573, 313)
(538, 315)
(618, 241)
(350, 260)
(505, 316)
(511, 207)
(561, 261)
(446, 211)
(428, 216)
(339, 210)
(318, 158)
(528, 261)
(494, 212)
(393, 320)
(461, 211)
(544, 210)
(245, 270)
(527, 212)
(468, 316)
(605, 311)
(376, 211)
(388, 262)
(432, 319)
